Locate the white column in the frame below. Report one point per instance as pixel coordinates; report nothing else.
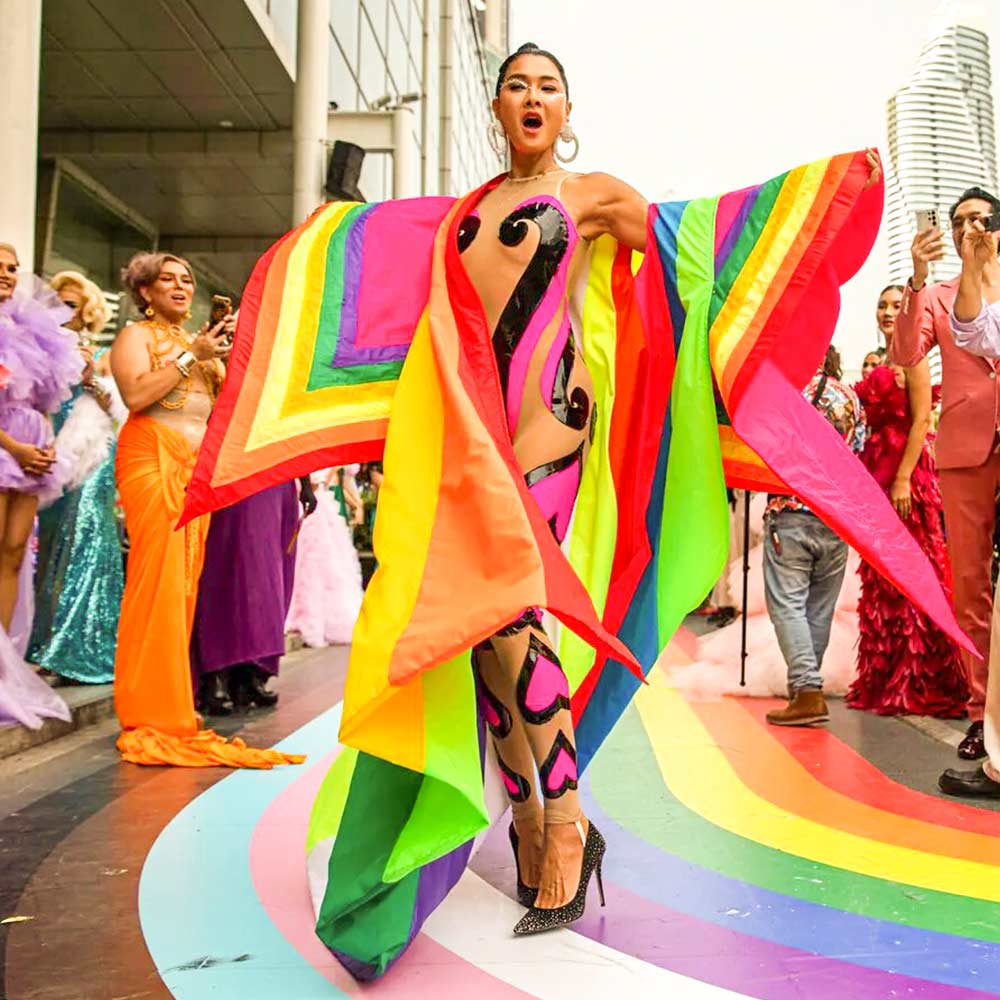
(309, 113)
(405, 155)
(20, 56)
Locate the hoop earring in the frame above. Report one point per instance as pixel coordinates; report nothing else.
(187, 315)
(149, 311)
(497, 138)
(568, 135)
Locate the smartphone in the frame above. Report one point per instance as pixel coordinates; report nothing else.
(992, 223)
(222, 306)
(927, 218)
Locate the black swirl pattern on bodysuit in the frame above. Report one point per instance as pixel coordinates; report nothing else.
(468, 231)
(572, 410)
(534, 283)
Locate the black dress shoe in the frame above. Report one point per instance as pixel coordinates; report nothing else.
(215, 698)
(259, 693)
(969, 784)
(248, 684)
(973, 747)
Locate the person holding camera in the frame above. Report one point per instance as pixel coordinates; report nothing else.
(975, 325)
(968, 444)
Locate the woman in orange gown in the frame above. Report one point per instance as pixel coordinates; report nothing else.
(168, 380)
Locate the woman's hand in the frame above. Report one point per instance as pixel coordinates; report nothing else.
(899, 494)
(34, 461)
(87, 353)
(211, 343)
(874, 168)
(307, 496)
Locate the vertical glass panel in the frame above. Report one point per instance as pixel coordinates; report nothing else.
(344, 18)
(396, 52)
(378, 13)
(373, 74)
(343, 86)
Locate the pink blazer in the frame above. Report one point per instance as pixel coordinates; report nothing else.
(970, 402)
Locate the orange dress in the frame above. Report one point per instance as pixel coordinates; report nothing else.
(154, 697)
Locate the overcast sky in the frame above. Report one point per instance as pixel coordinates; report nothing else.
(692, 97)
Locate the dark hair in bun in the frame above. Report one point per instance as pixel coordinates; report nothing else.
(529, 49)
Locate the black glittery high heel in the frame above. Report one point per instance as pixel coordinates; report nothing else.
(526, 895)
(535, 920)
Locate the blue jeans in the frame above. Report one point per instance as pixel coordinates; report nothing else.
(802, 579)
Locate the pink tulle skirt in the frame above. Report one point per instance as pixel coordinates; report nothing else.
(716, 669)
(327, 595)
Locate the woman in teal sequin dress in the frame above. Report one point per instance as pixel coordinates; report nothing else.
(79, 576)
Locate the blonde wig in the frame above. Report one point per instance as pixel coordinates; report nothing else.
(94, 307)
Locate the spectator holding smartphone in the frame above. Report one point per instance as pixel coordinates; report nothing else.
(975, 324)
(968, 444)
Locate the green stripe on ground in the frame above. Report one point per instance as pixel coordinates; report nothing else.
(625, 774)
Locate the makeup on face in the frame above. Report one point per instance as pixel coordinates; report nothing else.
(888, 309)
(532, 106)
(8, 274)
(171, 294)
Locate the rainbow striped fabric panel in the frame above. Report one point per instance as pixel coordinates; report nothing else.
(727, 315)
(325, 324)
(738, 297)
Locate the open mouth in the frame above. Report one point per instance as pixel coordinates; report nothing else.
(531, 122)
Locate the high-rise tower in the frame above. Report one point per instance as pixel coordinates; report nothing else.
(941, 133)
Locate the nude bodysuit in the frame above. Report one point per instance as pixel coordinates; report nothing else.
(522, 253)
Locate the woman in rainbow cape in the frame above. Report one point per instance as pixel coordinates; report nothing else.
(559, 417)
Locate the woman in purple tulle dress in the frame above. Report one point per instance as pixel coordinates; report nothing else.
(39, 364)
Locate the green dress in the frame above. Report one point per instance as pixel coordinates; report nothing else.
(79, 577)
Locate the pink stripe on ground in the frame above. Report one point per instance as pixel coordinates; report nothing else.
(277, 867)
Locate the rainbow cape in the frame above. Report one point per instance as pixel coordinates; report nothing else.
(360, 335)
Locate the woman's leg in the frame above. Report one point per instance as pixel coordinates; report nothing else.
(18, 520)
(527, 682)
(516, 761)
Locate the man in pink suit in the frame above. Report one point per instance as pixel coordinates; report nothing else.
(975, 326)
(968, 444)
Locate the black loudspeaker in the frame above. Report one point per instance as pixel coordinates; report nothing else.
(343, 172)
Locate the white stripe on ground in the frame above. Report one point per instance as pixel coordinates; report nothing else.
(475, 923)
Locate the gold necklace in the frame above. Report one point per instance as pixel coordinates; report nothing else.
(534, 177)
(167, 336)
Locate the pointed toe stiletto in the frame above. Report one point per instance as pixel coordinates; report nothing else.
(536, 920)
(526, 895)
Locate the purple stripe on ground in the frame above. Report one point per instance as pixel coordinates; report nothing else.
(703, 950)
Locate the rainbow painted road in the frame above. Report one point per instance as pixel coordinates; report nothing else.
(742, 861)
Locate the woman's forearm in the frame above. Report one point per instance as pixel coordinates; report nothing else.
(142, 391)
(7, 442)
(914, 446)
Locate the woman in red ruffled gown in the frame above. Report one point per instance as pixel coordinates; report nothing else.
(905, 664)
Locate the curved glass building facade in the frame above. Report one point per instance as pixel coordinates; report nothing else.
(942, 139)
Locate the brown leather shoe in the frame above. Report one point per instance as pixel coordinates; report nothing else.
(806, 708)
